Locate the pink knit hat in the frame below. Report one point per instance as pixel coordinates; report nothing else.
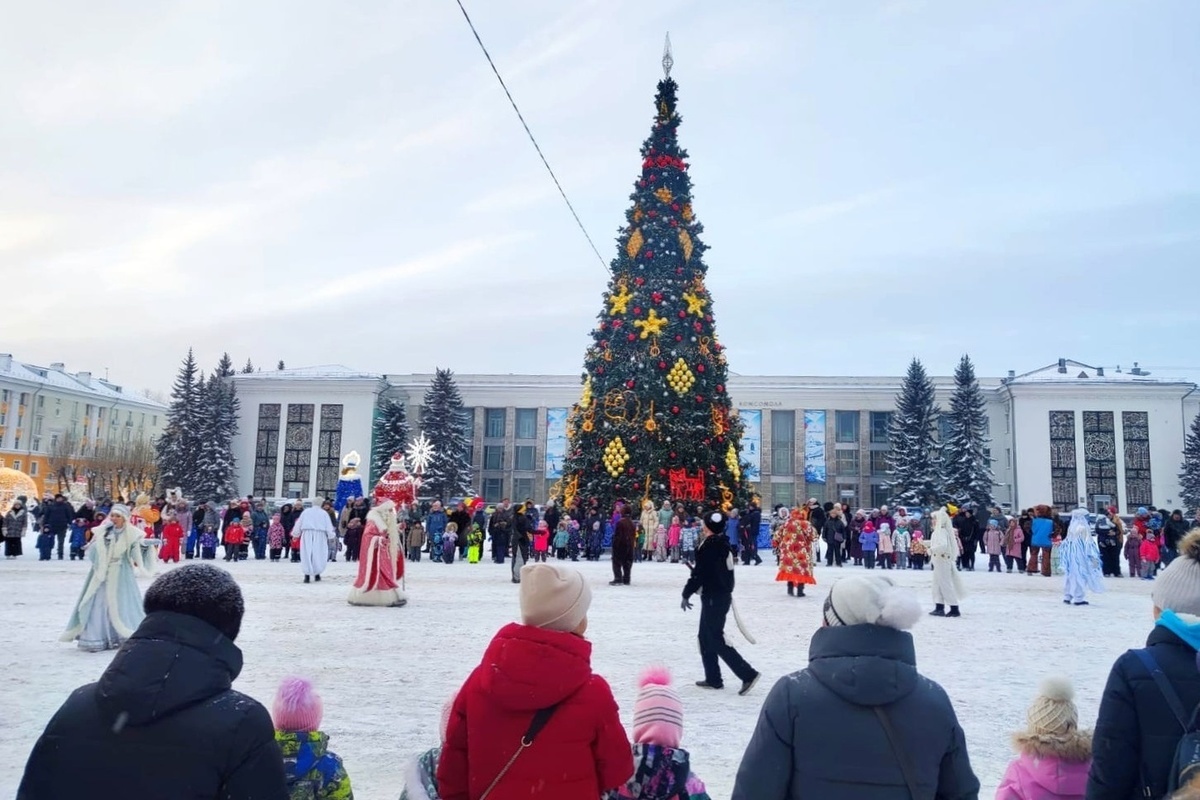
(658, 711)
(297, 706)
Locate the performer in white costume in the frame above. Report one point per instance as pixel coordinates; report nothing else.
(316, 531)
(109, 608)
(943, 551)
(1080, 560)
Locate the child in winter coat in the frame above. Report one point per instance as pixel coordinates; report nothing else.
(993, 544)
(661, 767)
(235, 535)
(561, 537)
(1011, 543)
(449, 542)
(416, 541)
(312, 771)
(541, 541)
(1133, 552)
(689, 534)
(918, 550)
(474, 544)
(1054, 755)
(901, 541)
(275, 538)
(208, 543)
(45, 544)
(172, 534)
(673, 535)
(886, 549)
(574, 540)
(352, 538)
(595, 542)
(1056, 554)
(78, 538)
(868, 541)
(660, 543)
(541, 663)
(1150, 555)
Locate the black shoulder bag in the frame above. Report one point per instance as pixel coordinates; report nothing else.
(906, 766)
(540, 718)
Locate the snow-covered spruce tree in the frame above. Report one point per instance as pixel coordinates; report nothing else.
(966, 472)
(249, 368)
(175, 449)
(218, 410)
(913, 478)
(1189, 470)
(280, 366)
(388, 437)
(449, 472)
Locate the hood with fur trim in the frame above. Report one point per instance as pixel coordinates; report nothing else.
(1074, 747)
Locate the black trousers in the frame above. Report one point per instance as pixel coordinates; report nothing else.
(713, 610)
(832, 551)
(61, 536)
(1110, 560)
(499, 546)
(622, 567)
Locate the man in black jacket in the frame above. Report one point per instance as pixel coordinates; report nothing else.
(163, 722)
(712, 576)
(499, 530)
(748, 533)
(1137, 731)
(56, 518)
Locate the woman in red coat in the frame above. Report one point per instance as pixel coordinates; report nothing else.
(172, 537)
(543, 663)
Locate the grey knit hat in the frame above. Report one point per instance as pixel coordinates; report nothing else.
(1177, 588)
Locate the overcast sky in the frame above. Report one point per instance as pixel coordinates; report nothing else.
(346, 183)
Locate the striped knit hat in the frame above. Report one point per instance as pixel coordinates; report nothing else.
(658, 711)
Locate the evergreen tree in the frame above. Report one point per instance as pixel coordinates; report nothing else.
(175, 449)
(1189, 470)
(966, 471)
(280, 366)
(449, 471)
(913, 437)
(654, 419)
(389, 436)
(248, 369)
(215, 476)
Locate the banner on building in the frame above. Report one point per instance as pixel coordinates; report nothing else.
(751, 442)
(814, 446)
(556, 442)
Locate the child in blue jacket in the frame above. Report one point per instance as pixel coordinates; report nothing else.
(869, 541)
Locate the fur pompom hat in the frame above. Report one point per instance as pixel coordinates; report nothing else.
(297, 707)
(1053, 729)
(1177, 587)
(715, 520)
(658, 711)
(871, 600)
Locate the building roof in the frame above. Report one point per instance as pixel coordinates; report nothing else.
(56, 377)
(330, 372)
(1069, 371)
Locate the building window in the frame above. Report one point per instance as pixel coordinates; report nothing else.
(943, 427)
(329, 447)
(880, 422)
(523, 488)
(845, 462)
(783, 494)
(297, 449)
(17, 464)
(1064, 475)
(37, 425)
(783, 443)
(33, 468)
(37, 444)
(526, 423)
(41, 403)
(493, 456)
(524, 457)
(494, 423)
(879, 463)
(1135, 427)
(880, 495)
(1100, 457)
(847, 495)
(266, 449)
(846, 427)
(493, 489)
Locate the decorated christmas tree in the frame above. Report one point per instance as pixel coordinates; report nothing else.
(655, 420)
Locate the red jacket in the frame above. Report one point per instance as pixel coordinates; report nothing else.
(583, 750)
(235, 534)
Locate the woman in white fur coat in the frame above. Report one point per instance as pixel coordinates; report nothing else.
(380, 561)
(943, 552)
(109, 608)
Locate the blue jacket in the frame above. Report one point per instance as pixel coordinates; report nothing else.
(435, 523)
(869, 541)
(731, 531)
(1041, 530)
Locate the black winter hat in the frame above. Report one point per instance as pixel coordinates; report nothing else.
(201, 591)
(715, 520)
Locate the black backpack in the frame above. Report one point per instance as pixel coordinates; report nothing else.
(1186, 765)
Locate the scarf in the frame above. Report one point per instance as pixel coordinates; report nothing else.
(1185, 626)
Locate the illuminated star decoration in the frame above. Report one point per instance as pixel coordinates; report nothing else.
(420, 452)
(651, 325)
(695, 303)
(620, 302)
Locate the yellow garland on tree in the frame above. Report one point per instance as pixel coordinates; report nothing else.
(685, 241)
(731, 461)
(586, 400)
(615, 457)
(635, 243)
(687, 212)
(695, 303)
(652, 325)
(619, 302)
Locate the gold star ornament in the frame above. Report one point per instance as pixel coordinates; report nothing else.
(619, 303)
(651, 325)
(695, 303)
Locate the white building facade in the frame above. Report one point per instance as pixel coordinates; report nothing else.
(296, 424)
(822, 437)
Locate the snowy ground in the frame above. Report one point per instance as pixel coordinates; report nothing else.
(385, 673)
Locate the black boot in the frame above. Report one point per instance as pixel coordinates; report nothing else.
(939, 610)
(800, 590)
(317, 578)
(954, 612)
(790, 590)
(306, 579)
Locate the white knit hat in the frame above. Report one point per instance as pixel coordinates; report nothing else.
(1177, 588)
(871, 600)
(553, 597)
(1053, 713)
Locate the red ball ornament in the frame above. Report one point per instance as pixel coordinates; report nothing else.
(604, 325)
(700, 368)
(708, 317)
(662, 365)
(629, 384)
(637, 311)
(673, 223)
(698, 327)
(616, 323)
(712, 469)
(699, 398)
(674, 206)
(679, 270)
(662, 473)
(657, 297)
(631, 471)
(683, 315)
(708, 441)
(720, 438)
(633, 438)
(639, 281)
(678, 338)
(720, 388)
(642, 183)
(674, 409)
(649, 254)
(599, 370)
(631, 337)
(673, 454)
(653, 178)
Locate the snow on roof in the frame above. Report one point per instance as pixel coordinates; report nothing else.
(56, 377)
(1069, 371)
(335, 372)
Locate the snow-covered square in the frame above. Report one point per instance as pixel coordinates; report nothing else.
(385, 673)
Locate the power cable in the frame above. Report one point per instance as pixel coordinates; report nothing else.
(525, 125)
